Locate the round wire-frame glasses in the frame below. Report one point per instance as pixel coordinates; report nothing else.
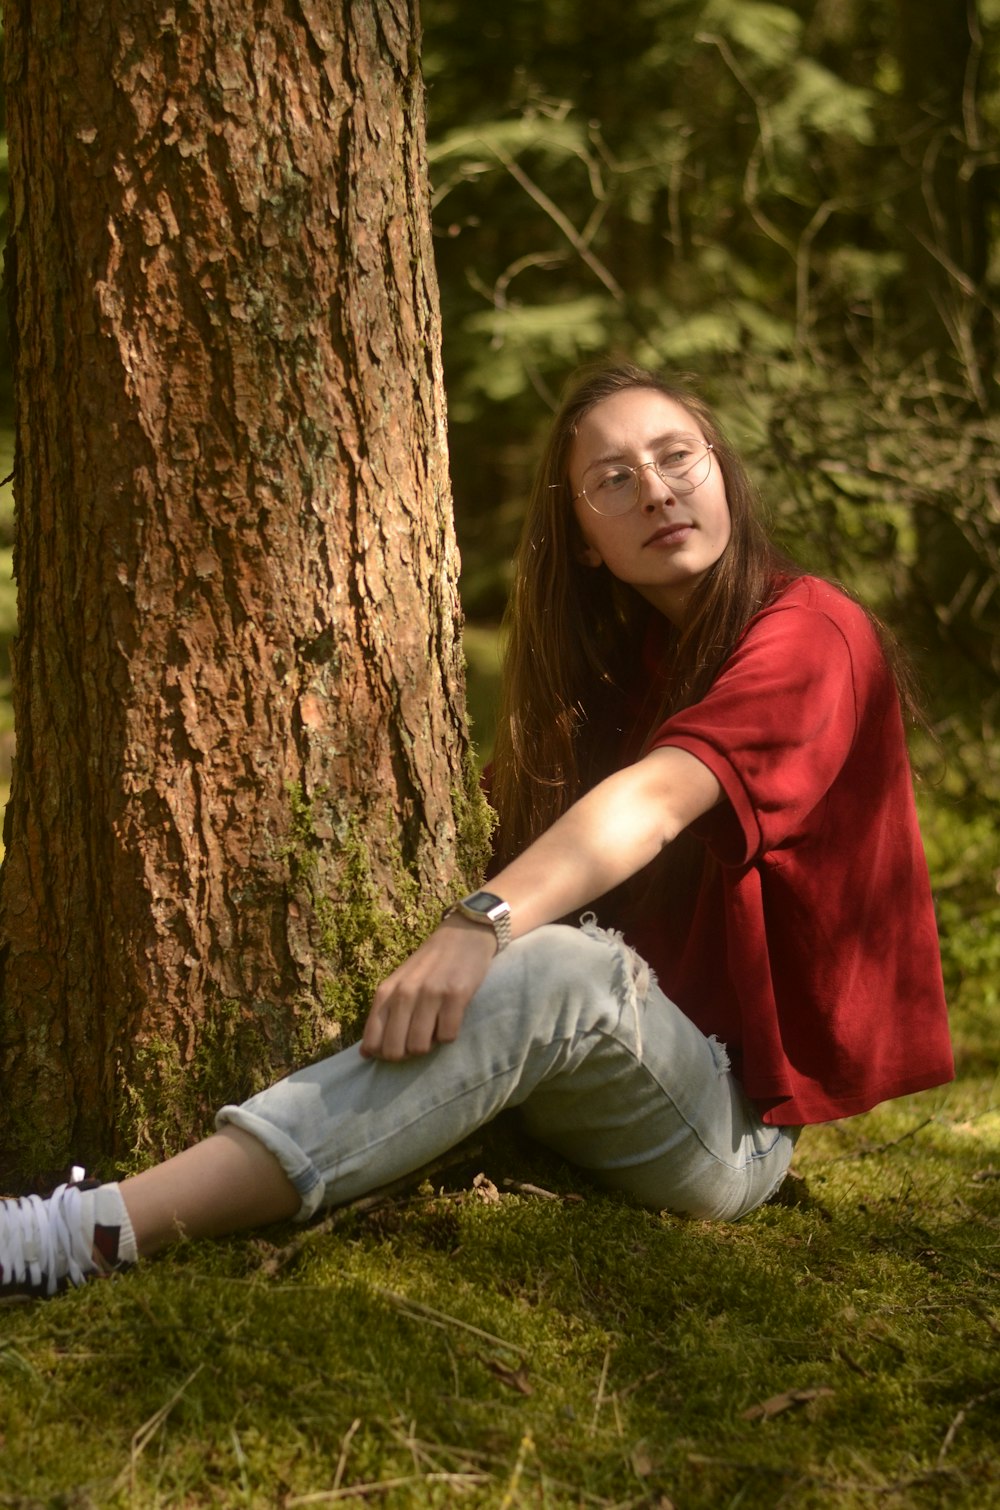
(615, 488)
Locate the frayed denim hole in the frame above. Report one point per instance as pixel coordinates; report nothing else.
(633, 978)
(720, 1055)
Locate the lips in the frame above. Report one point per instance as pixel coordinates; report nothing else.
(667, 533)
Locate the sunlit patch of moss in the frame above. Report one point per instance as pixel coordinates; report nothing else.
(363, 937)
(475, 821)
(168, 1100)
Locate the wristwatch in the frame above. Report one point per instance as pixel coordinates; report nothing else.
(484, 907)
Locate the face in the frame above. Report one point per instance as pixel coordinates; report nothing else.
(666, 543)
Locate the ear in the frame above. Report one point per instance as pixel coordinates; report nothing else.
(588, 556)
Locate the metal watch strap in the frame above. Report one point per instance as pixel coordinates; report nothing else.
(486, 907)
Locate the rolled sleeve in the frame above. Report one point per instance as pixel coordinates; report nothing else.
(775, 730)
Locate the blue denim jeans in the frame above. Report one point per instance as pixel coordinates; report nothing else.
(569, 1026)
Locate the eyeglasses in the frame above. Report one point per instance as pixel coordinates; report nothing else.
(612, 488)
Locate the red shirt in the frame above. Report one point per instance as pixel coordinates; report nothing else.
(813, 951)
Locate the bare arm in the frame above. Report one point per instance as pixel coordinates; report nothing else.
(600, 841)
(607, 836)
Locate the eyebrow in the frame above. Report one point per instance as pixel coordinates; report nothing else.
(660, 440)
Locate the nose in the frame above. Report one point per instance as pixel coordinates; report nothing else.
(651, 487)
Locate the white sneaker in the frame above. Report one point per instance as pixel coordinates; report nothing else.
(47, 1245)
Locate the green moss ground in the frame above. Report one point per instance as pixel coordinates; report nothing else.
(509, 1350)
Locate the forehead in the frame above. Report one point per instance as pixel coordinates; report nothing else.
(626, 423)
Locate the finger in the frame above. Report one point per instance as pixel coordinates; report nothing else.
(374, 1030)
(452, 1015)
(423, 1032)
(398, 1019)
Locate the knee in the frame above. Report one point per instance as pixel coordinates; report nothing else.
(558, 968)
(557, 952)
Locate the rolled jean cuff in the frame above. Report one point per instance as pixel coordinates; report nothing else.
(303, 1174)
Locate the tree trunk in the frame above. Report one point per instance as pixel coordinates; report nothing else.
(241, 778)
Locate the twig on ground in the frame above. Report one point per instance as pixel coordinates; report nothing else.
(460, 1482)
(420, 1312)
(522, 1187)
(976, 1216)
(147, 1431)
(984, 1315)
(845, 1357)
(345, 1447)
(867, 1150)
(514, 1378)
(953, 1429)
(467, 1459)
(630, 1389)
(599, 1400)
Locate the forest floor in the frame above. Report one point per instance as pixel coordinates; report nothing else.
(508, 1336)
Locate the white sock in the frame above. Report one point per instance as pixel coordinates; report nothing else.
(115, 1245)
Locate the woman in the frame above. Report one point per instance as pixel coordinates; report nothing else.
(703, 745)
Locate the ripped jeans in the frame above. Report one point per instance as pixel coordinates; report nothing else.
(570, 1027)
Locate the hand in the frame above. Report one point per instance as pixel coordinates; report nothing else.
(424, 1001)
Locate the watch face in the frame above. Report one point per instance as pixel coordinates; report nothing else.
(482, 901)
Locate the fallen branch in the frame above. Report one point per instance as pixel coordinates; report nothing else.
(599, 1400)
(522, 1187)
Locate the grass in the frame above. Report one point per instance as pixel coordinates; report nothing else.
(487, 1345)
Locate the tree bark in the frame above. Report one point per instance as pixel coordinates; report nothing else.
(240, 784)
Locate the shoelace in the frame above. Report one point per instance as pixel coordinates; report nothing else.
(42, 1240)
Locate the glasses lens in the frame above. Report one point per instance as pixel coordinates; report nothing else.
(612, 490)
(685, 466)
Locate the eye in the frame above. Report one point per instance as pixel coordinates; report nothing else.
(612, 480)
(675, 457)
